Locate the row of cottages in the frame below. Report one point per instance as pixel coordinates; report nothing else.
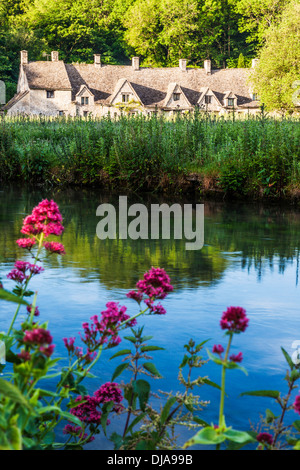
(54, 88)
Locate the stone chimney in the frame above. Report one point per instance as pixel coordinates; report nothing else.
(24, 57)
(182, 64)
(207, 67)
(136, 63)
(54, 56)
(254, 62)
(97, 60)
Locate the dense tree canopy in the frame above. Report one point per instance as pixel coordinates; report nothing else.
(229, 32)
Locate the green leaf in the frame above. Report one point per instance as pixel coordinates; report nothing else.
(239, 437)
(151, 348)
(135, 422)
(234, 365)
(200, 421)
(118, 371)
(142, 388)
(150, 367)
(296, 424)
(288, 358)
(132, 339)
(121, 353)
(105, 412)
(211, 384)
(9, 297)
(48, 409)
(184, 361)
(13, 393)
(214, 358)
(70, 417)
(270, 416)
(15, 437)
(166, 409)
(206, 436)
(262, 393)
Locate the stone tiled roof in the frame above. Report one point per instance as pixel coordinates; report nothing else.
(47, 75)
(15, 99)
(151, 84)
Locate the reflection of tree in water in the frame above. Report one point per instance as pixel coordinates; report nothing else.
(259, 236)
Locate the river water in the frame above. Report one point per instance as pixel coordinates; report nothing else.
(250, 258)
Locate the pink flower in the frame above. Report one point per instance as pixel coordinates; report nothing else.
(46, 218)
(218, 349)
(236, 357)
(265, 438)
(26, 243)
(36, 311)
(109, 392)
(87, 410)
(234, 320)
(55, 247)
(37, 336)
(24, 355)
(156, 284)
(297, 404)
(138, 296)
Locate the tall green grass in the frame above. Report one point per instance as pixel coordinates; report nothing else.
(242, 156)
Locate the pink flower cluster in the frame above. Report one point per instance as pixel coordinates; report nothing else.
(108, 326)
(55, 247)
(234, 320)
(297, 404)
(45, 218)
(40, 338)
(156, 285)
(23, 271)
(264, 438)
(77, 432)
(87, 409)
(36, 310)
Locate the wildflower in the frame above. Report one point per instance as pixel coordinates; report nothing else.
(45, 218)
(109, 392)
(37, 336)
(236, 357)
(156, 284)
(138, 296)
(24, 355)
(265, 438)
(77, 432)
(55, 247)
(69, 344)
(234, 320)
(36, 310)
(86, 410)
(218, 349)
(26, 243)
(297, 404)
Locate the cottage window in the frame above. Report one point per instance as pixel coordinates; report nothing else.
(255, 97)
(61, 113)
(85, 113)
(176, 96)
(125, 98)
(84, 100)
(230, 101)
(207, 99)
(50, 94)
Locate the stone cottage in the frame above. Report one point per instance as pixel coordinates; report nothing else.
(54, 88)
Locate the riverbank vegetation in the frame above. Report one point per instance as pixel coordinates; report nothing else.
(254, 157)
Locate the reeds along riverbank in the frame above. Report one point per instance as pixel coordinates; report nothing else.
(250, 157)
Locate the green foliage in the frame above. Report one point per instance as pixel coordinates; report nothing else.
(275, 77)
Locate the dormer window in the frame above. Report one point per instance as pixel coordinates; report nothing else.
(84, 100)
(50, 94)
(176, 96)
(231, 102)
(207, 99)
(125, 97)
(255, 97)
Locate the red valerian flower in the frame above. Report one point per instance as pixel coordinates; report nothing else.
(297, 404)
(218, 349)
(265, 438)
(55, 247)
(26, 243)
(45, 218)
(234, 320)
(236, 357)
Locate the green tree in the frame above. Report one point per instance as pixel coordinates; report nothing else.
(279, 65)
